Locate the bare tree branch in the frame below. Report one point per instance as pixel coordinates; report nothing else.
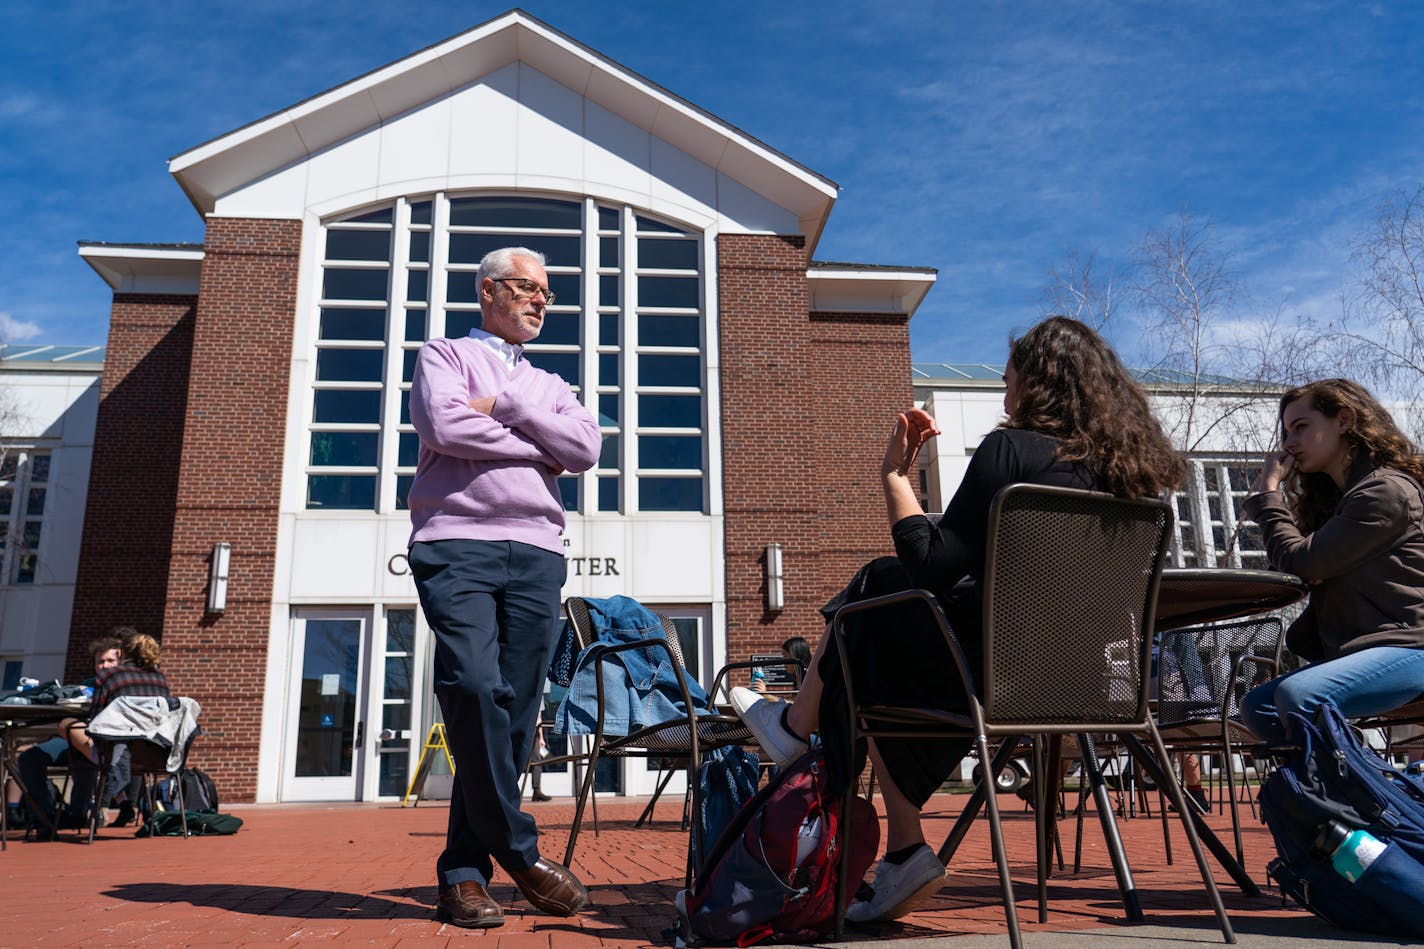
(1382, 323)
(1078, 290)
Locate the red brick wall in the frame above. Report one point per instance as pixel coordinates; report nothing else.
(806, 403)
(861, 378)
(229, 486)
(133, 476)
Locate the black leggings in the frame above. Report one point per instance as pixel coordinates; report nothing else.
(899, 657)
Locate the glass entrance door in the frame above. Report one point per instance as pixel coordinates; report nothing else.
(326, 705)
(393, 710)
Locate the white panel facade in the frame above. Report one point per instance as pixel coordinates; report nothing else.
(48, 435)
(549, 134)
(513, 118)
(615, 154)
(407, 144)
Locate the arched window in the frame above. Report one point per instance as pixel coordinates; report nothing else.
(627, 333)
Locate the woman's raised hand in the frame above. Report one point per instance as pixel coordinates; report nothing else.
(1278, 466)
(922, 427)
(912, 430)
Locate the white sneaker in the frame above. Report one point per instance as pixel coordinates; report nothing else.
(901, 888)
(763, 719)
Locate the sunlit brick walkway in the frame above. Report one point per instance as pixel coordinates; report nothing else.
(364, 873)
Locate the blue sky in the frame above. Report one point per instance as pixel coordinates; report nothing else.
(988, 140)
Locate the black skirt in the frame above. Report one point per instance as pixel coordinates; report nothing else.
(898, 656)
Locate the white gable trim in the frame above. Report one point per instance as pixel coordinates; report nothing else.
(140, 268)
(852, 289)
(232, 161)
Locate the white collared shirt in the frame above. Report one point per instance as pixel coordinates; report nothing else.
(507, 352)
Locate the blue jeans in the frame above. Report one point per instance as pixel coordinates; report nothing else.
(1367, 682)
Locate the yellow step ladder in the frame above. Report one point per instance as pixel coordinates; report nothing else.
(434, 742)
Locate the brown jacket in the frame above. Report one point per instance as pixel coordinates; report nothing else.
(1368, 558)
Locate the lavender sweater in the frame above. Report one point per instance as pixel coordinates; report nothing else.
(491, 477)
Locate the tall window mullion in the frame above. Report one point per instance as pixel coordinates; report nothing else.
(1211, 524)
(24, 498)
(626, 331)
(669, 325)
(344, 440)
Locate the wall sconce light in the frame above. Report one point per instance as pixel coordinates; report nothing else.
(217, 578)
(774, 598)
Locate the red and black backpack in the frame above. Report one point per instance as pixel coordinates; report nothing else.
(772, 874)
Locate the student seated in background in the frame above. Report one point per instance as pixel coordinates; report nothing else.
(137, 675)
(36, 760)
(796, 648)
(1341, 506)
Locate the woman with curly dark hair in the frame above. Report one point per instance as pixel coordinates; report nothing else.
(1341, 506)
(1076, 418)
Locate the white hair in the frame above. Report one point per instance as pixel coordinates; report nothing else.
(498, 263)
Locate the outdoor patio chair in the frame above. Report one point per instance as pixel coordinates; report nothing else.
(1069, 599)
(1411, 714)
(148, 758)
(684, 740)
(1203, 672)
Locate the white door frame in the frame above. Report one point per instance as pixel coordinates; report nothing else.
(326, 788)
(375, 674)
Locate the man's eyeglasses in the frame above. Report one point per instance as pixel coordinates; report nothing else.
(527, 288)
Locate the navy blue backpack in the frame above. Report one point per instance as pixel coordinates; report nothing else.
(1335, 780)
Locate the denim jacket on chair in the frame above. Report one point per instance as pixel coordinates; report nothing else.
(640, 686)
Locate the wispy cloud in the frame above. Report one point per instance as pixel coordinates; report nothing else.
(16, 331)
(986, 139)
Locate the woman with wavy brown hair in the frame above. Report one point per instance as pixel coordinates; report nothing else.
(1075, 418)
(1341, 506)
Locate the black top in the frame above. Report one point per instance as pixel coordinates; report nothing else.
(938, 557)
(898, 652)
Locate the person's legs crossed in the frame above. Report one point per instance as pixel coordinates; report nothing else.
(1368, 682)
(529, 622)
(459, 583)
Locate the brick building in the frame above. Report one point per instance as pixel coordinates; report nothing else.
(253, 403)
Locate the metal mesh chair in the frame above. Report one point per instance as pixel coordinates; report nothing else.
(671, 739)
(1203, 673)
(1069, 597)
(1411, 714)
(148, 759)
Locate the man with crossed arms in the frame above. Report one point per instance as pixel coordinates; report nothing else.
(487, 557)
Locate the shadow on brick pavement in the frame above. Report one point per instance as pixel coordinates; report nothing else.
(364, 873)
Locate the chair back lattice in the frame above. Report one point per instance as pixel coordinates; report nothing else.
(1198, 671)
(1070, 590)
(585, 634)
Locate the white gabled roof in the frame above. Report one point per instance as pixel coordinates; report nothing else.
(146, 268)
(230, 161)
(867, 288)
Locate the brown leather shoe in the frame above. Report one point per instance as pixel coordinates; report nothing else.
(467, 904)
(551, 887)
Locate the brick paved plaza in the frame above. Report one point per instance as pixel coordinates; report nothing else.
(364, 874)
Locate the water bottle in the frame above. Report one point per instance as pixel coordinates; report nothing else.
(1351, 851)
(758, 676)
